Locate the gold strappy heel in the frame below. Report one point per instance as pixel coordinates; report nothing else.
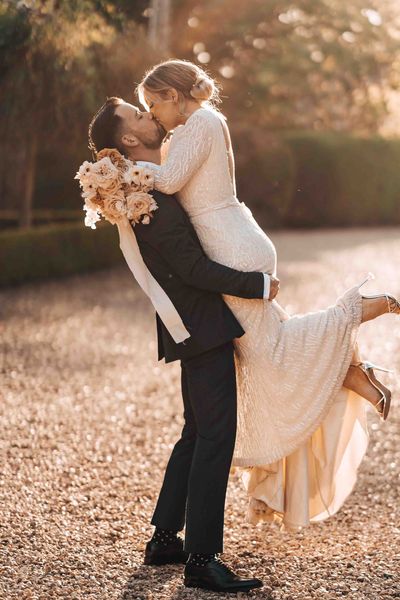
(392, 302)
(386, 395)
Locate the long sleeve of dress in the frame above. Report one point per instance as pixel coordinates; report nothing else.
(171, 234)
(187, 152)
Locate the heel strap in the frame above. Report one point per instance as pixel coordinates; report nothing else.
(365, 364)
(393, 304)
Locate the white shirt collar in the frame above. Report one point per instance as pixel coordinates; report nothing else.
(144, 163)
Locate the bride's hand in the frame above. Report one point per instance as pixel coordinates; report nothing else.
(274, 287)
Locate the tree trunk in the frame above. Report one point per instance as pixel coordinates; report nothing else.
(159, 25)
(28, 187)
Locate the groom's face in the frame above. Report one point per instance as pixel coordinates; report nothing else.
(138, 126)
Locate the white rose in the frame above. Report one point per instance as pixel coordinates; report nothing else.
(153, 205)
(146, 179)
(85, 170)
(105, 168)
(132, 176)
(91, 217)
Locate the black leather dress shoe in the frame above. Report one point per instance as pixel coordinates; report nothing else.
(157, 554)
(216, 576)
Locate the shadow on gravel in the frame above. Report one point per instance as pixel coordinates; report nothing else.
(152, 582)
(147, 583)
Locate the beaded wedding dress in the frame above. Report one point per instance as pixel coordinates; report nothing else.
(301, 435)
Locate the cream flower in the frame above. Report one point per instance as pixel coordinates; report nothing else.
(113, 154)
(91, 217)
(105, 174)
(85, 170)
(88, 187)
(139, 205)
(125, 165)
(114, 186)
(114, 207)
(132, 177)
(146, 179)
(94, 200)
(139, 178)
(90, 203)
(110, 186)
(153, 205)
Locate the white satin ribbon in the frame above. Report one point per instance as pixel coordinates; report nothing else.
(161, 302)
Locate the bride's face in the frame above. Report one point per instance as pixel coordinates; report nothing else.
(165, 109)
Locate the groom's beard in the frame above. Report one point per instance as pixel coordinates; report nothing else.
(154, 141)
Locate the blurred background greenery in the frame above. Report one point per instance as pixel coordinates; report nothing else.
(310, 88)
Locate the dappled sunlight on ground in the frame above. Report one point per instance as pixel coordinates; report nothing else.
(89, 418)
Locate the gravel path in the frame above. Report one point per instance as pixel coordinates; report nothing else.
(88, 419)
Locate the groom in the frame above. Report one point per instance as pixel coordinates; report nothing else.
(196, 477)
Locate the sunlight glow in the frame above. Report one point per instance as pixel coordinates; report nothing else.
(193, 22)
(373, 16)
(199, 47)
(204, 57)
(227, 71)
(349, 37)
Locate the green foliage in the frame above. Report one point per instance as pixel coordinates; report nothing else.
(56, 250)
(118, 12)
(14, 34)
(313, 64)
(316, 64)
(299, 179)
(295, 178)
(67, 59)
(265, 173)
(310, 179)
(42, 82)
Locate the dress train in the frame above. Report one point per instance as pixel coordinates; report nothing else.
(311, 483)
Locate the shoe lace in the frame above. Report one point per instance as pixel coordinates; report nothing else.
(223, 566)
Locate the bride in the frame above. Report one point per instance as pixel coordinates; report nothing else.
(302, 427)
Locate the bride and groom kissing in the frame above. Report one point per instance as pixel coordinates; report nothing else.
(282, 398)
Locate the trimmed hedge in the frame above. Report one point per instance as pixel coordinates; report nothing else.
(313, 179)
(291, 179)
(265, 174)
(344, 180)
(288, 178)
(56, 250)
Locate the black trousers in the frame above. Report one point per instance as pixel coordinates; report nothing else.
(196, 477)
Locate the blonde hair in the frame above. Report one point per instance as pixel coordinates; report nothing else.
(189, 80)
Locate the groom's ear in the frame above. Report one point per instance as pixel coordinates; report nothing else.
(130, 140)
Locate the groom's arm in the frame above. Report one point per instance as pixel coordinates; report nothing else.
(170, 232)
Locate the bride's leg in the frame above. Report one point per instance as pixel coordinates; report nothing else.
(373, 307)
(357, 381)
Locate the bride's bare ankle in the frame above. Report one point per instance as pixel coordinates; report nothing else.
(373, 308)
(358, 382)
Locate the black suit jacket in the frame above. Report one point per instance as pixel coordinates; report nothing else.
(173, 254)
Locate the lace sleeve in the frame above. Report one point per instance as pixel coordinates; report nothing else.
(188, 150)
(164, 151)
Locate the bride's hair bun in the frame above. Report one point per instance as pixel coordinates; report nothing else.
(203, 88)
(188, 79)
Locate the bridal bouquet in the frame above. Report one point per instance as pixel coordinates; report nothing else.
(114, 187)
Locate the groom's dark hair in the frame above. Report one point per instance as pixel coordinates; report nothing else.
(105, 127)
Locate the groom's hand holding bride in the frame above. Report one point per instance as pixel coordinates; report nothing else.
(274, 287)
